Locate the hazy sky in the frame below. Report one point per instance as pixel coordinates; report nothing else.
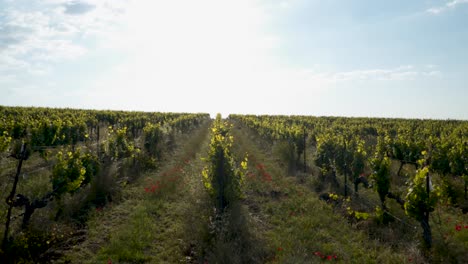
(384, 58)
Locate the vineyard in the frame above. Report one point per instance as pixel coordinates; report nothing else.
(88, 186)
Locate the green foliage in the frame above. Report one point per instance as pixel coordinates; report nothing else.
(379, 214)
(298, 135)
(458, 156)
(359, 155)
(451, 191)
(326, 153)
(51, 131)
(72, 171)
(358, 215)
(153, 139)
(418, 200)
(59, 131)
(43, 128)
(406, 147)
(222, 177)
(334, 196)
(440, 160)
(343, 153)
(119, 144)
(381, 175)
(338, 141)
(5, 140)
(29, 245)
(91, 165)
(382, 216)
(16, 148)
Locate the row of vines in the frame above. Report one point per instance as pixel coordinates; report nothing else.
(59, 158)
(359, 151)
(222, 177)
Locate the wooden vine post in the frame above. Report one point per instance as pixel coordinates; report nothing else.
(9, 199)
(305, 138)
(425, 223)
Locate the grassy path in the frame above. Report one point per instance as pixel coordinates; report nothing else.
(166, 217)
(296, 225)
(155, 221)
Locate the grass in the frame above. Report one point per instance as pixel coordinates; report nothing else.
(151, 224)
(298, 227)
(304, 229)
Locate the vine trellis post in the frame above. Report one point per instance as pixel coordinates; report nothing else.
(9, 199)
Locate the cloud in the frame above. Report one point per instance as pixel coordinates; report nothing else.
(78, 8)
(435, 10)
(30, 39)
(449, 5)
(456, 2)
(400, 73)
(35, 35)
(11, 35)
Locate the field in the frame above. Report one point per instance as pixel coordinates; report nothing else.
(86, 186)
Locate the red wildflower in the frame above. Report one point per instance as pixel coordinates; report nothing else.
(329, 257)
(410, 259)
(317, 253)
(458, 227)
(335, 257)
(266, 176)
(109, 261)
(280, 249)
(466, 227)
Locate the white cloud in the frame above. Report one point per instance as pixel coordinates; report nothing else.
(435, 10)
(401, 73)
(449, 5)
(456, 2)
(36, 35)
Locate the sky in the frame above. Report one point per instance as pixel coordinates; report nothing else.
(374, 58)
